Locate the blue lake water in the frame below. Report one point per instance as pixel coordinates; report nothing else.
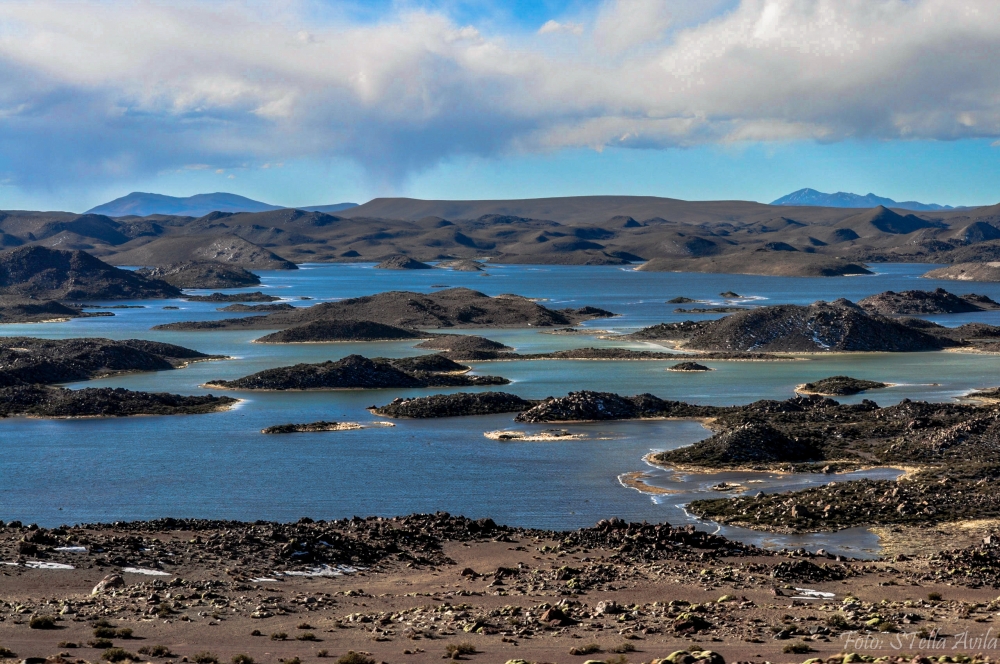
(220, 466)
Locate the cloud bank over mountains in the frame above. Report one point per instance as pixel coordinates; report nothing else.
(96, 90)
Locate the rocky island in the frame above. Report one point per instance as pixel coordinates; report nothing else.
(921, 303)
(839, 326)
(358, 372)
(331, 330)
(37, 272)
(454, 405)
(257, 308)
(400, 262)
(56, 402)
(839, 386)
(453, 307)
(192, 274)
(688, 366)
(312, 427)
(256, 296)
(20, 310)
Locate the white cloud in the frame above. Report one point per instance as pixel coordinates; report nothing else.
(95, 88)
(551, 27)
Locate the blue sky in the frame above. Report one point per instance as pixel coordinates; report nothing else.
(305, 103)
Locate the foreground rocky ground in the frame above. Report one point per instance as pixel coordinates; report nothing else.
(426, 587)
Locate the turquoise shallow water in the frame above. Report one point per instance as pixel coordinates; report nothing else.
(220, 466)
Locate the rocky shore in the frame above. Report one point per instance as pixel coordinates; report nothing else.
(428, 586)
(53, 402)
(312, 427)
(985, 271)
(358, 372)
(19, 310)
(450, 308)
(191, 274)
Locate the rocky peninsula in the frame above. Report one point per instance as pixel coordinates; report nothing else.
(21, 310)
(400, 262)
(450, 308)
(192, 274)
(922, 303)
(986, 271)
(358, 372)
(839, 386)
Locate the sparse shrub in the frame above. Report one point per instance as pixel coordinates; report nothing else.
(105, 632)
(256, 632)
(354, 658)
(623, 647)
(837, 621)
(279, 636)
(304, 625)
(588, 649)
(164, 611)
(205, 658)
(42, 622)
(456, 650)
(620, 659)
(123, 633)
(65, 644)
(797, 648)
(100, 644)
(322, 653)
(934, 597)
(7, 652)
(118, 655)
(308, 636)
(242, 659)
(101, 622)
(156, 651)
(293, 660)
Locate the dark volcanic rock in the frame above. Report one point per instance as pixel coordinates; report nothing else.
(340, 330)
(821, 326)
(688, 366)
(40, 272)
(39, 401)
(681, 300)
(311, 427)
(454, 307)
(464, 344)
(454, 405)
(400, 262)
(17, 310)
(249, 308)
(26, 360)
(754, 442)
(352, 372)
(256, 296)
(938, 301)
(191, 274)
(590, 406)
(837, 386)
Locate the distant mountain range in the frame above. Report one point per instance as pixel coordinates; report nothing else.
(843, 199)
(141, 204)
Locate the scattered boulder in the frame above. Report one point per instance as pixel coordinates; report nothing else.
(109, 582)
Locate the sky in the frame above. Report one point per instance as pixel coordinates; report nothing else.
(314, 102)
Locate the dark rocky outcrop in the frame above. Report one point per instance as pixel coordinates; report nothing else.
(751, 443)
(355, 372)
(311, 427)
(256, 296)
(461, 265)
(400, 262)
(588, 406)
(838, 386)
(26, 360)
(40, 401)
(50, 274)
(453, 307)
(688, 366)
(257, 308)
(192, 274)
(329, 330)
(18, 310)
(454, 405)
(465, 345)
(821, 326)
(918, 302)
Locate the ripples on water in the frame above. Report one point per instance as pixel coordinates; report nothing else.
(220, 466)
